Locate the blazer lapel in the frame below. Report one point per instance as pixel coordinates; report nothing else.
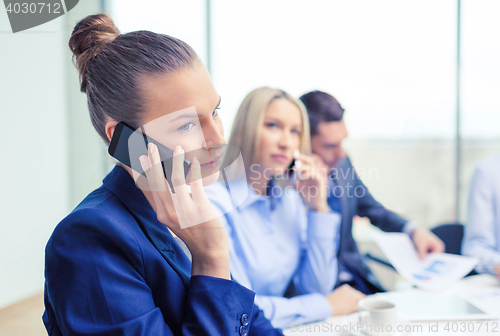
(342, 173)
(123, 186)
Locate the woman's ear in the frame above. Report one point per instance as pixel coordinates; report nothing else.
(110, 128)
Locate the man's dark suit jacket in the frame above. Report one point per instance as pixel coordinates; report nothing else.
(357, 200)
(111, 268)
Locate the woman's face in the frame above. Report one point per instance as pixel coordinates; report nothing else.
(279, 137)
(182, 109)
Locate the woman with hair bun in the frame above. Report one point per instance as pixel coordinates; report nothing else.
(117, 264)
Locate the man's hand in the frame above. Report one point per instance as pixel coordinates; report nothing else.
(426, 242)
(497, 271)
(344, 300)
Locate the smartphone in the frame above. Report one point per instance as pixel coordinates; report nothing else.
(290, 170)
(127, 146)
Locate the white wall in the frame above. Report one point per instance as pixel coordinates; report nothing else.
(87, 153)
(390, 63)
(40, 124)
(185, 20)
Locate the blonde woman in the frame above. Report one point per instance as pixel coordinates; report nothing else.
(283, 230)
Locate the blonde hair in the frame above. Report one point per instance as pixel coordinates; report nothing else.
(247, 125)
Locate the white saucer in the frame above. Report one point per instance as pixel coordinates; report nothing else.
(354, 318)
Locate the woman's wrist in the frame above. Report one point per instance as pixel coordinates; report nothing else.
(319, 204)
(322, 207)
(212, 263)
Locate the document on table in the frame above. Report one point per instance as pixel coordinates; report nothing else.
(487, 298)
(436, 272)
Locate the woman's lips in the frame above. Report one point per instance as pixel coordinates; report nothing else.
(212, 164)
(280, 158)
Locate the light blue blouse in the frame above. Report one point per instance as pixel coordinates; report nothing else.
(275, 239)
(482, 232)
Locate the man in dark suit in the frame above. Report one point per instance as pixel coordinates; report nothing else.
(349, 195)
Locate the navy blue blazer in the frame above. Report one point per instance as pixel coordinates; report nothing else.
(111, 268)
(357, 200)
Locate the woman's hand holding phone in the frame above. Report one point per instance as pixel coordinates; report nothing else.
(189, 216)
(311, 180)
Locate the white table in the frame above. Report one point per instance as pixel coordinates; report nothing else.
(466, 288)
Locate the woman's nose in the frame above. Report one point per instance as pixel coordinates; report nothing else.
(285, 140)
(213, 135)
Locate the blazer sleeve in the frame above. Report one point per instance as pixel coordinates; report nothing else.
(212, 300)
(95, 286)
(379, 216)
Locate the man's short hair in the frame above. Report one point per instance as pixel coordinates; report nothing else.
(321, 106)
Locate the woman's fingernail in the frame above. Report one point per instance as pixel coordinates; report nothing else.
(177, 150)
(296, 153)
(152, 148)
(195, 161)
(144, 161)
(298, 163)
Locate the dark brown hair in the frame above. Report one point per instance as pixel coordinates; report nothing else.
(110, 66)
(321, 106)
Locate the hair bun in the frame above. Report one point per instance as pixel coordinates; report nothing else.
(89, 37)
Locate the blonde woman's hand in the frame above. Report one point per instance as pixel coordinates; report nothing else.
(311, 181)
(189, 216)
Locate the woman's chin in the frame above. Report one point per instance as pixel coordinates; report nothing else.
(279, 170)
(209, 179)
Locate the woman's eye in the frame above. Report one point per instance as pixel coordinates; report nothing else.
(271, 125)
(215, 113)
(187, 126)
(296, 132)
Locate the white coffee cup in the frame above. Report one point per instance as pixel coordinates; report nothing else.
(377, 317)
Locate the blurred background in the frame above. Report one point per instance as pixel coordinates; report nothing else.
(419, 81)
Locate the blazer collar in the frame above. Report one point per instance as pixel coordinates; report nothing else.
(338, 176)
(120, 183)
